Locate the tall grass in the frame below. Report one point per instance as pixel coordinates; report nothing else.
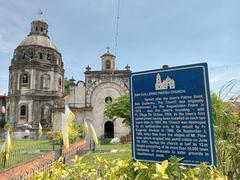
(226, 114)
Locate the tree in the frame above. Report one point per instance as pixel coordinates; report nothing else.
(119, 109)
(66, 83)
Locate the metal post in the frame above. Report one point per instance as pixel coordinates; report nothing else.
(90, 144)
(4, 161)
(61, 148)
(94, 146)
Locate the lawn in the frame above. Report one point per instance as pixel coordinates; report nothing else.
(24, 150)
(21, 144)
(124, 152)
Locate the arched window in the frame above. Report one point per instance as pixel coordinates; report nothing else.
(23, 55)
(31, 55)
(41, 29)
(23, 112)
(49, 57)
(108, 64)
(40, 55)
(25, 80)
(60, 83)
(36, 29)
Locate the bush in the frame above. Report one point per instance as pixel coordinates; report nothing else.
(128, 169)
(8, 127)
(107, 141)
(55, 137)
(227, 130)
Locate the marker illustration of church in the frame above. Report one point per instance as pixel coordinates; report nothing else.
(168, 83)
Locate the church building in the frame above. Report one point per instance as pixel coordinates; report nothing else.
(88, 98)
(36, 92)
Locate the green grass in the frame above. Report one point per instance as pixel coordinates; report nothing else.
(21, 144)
(114, 146)
(124, 155)
(24, 150)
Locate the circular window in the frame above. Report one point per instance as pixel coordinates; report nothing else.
(108, 99)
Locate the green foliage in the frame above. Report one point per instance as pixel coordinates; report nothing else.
(102, 168)
(227, 130)
(66, 84)
(55, 138)
(119, 109)
(107, 140)
(77, 131)
(8, 127)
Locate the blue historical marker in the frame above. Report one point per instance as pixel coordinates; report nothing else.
(171, 115)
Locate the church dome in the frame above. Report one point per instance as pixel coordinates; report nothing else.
(38, 36)
(38, 40)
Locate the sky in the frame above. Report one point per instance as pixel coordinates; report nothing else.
(151, 33)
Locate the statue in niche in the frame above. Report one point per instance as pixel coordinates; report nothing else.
(46, 116)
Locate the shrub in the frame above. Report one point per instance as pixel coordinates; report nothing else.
(8, 127)
(128, 169)
(107, 141)
(55, 137)
(227, 130)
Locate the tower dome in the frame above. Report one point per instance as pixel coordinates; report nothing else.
(38, 36)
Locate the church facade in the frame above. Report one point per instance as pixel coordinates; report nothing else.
(88, 98)
(36, 88)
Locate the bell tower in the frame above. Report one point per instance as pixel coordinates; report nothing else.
(108, 61)
(39, 27)
(36, 77)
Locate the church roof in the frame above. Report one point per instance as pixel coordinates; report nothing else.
(38, 35)
(38, 40)
(40, 20)
(108, 54)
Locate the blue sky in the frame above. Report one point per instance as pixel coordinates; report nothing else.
(151, 33)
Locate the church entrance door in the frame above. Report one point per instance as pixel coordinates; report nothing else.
(108, 130)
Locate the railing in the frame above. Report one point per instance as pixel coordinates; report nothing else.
(24, 154)
(45, 166)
